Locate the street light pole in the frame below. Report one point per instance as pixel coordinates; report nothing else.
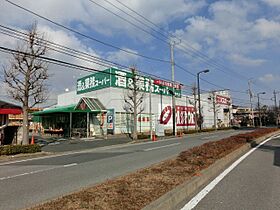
(199, 104)
(258, 95)
(172, 43)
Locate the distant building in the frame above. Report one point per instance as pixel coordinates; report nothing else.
(244, 116)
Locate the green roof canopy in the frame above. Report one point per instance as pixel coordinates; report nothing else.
(85, 105)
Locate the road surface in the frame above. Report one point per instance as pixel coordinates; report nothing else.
(28, 182)
(253, 184)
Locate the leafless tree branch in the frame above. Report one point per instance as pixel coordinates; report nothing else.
(27, 74)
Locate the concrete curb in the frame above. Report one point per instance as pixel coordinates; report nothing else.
(177, 197)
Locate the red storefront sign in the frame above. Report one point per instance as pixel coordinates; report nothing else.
(167, 84)
(165, 115)
(185, 115)
(222, 100)
(10, 111)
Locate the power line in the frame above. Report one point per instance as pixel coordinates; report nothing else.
(59, 62)
(91, 38)
(86, 36)
(200, 55)
(136, 26)
(56, 61)
(62, 49)
(23, 36)
(71, 49)
(218, 86)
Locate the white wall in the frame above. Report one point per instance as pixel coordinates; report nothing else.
(113, 98)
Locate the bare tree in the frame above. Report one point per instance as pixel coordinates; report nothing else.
(26, 75)
(133, 99)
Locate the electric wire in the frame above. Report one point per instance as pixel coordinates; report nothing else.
(89, 37)
(86, 36)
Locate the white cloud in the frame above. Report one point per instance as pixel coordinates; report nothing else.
(268, 78)
(123, 57)
(86, 15)
(268, 29)
(245, 61)
(61, 77)
(230, 32)
(272, 3)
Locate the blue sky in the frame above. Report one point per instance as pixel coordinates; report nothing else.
(236, 40)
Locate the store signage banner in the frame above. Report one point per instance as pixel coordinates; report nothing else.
(121, 79)
(185, 116)
(110, 121)
(167, 84)
(222, 100)
(94, 82)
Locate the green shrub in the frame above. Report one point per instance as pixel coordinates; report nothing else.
(143, 136)
(17, 149)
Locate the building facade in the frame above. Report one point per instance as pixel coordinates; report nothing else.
(110, 87)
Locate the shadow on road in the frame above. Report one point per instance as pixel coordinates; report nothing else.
(272, 146)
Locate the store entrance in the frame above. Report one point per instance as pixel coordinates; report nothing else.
(79, 125)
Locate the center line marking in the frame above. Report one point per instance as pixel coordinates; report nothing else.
(169, 145)
(36, 172)
(71, 164)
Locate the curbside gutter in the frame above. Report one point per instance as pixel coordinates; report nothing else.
(176, 198)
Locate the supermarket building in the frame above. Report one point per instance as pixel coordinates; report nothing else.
(97, 107)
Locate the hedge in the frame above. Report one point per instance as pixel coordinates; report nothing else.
(17, 149)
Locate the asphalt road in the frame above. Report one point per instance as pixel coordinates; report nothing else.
(28, 182)
(253, 184)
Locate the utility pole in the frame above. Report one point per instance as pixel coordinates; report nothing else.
(259, 108)
(150, 110)
(187, 113)
(275, 104)
(251, 102)
(172, 43)
(214, 109)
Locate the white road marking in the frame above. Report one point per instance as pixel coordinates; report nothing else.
(196, 199)
(169, 145)
(36, 172)
(69, 165)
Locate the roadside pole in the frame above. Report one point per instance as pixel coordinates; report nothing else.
(214, 110)
(172, 43)
(251, 102)
(276, 108)
(150, 110)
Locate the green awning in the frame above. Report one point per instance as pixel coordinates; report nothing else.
(85, 105)
(58, 109)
